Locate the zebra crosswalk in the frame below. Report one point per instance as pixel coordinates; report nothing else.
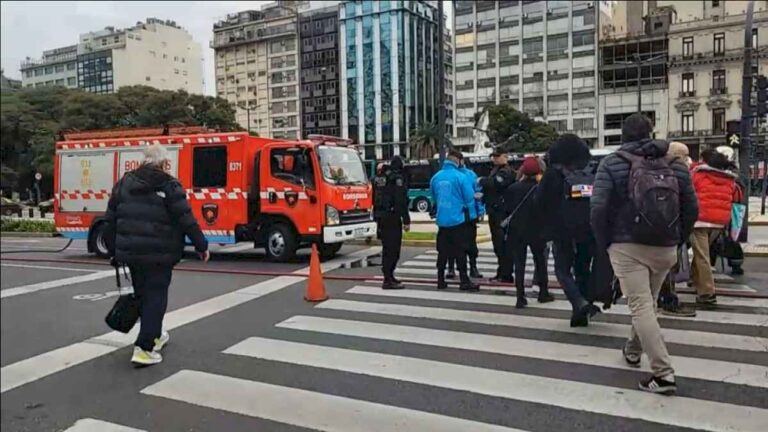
(462, 354)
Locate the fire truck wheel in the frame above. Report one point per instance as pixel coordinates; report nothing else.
(329, 250)
(97, 241)
(281, 242)
(421, 205)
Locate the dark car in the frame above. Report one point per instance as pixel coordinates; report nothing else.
(9, 207)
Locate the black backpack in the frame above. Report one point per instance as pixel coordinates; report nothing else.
(654, 197)
(577, 192)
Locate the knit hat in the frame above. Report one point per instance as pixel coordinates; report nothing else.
(530, 167)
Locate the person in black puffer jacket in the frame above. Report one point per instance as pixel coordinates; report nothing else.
(147, 218)
(641, 262)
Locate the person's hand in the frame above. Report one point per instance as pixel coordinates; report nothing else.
(204, 256)
(406, 228)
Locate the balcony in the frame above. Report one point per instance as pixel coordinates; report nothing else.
(718, 91)
(687, 94)
(231, 38)
(706, 57)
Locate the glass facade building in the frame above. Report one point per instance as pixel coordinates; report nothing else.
(388, 53)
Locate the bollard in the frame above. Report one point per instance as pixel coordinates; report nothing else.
(31, 212)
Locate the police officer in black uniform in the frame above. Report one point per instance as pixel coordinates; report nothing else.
(390, 210)
(500, 178)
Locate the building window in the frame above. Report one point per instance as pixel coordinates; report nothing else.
(71, 66)
(59, 68)
(754, 38)
(688, 46)
(688, 89)
(71, 81)
(718, 121)
(719, 43)
(49, 70)
(715, 3)
(209, 167)
(718, 82)
(687, 121)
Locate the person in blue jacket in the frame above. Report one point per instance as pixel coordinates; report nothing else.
(454, 197)
(473, 252)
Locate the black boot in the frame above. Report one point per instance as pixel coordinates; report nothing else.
(521, 300)
(468, 285)
(390, 284)
(545, 296)
(473, 272)
(450, 274)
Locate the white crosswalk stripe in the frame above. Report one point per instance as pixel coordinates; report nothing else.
(93, 425)
(347, 335)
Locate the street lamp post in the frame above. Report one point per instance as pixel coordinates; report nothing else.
(441, 85)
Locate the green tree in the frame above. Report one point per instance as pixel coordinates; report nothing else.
(423, 141)
(517, 132)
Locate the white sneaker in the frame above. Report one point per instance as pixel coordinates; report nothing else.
(145, 358)
(160, 342)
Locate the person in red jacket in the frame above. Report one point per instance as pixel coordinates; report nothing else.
(715, 188)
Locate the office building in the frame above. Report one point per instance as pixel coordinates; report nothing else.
(257, 70)
(320, 92)
(56, 67)
(706, 48)
(538, 56)
(156, 53)
(388, 75)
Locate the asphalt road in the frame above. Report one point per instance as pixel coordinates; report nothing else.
(248, 353)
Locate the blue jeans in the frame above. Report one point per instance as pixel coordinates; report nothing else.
(150, 285)
(573, 269)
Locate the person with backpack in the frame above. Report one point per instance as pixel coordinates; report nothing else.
(523, 232)
(716, 189)
(563, 198)
(454, 198)
(643, 206)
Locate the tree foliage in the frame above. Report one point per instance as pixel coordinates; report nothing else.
(516, 132)
(423, 141)
(31, 120)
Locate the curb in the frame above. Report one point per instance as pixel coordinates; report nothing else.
(28, 234)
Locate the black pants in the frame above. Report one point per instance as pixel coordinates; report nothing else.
(517, 250)
(472, 251)
(391, 228)
(150, 285)
(452, 244)
(574, 262)
(497, 237)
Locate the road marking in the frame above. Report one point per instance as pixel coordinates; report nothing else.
(433, 265)
(759, 320)
(341, 261)
(729, 301)
(303, 408)
(482, 258)
(598, 328)
(433, 271)
(704, 369)
(42, 365)
(237, 247)
(93, 425)
(48, 267)
(601, 399)
(26, 289)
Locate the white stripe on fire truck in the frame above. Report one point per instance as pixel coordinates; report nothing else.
(232, 138)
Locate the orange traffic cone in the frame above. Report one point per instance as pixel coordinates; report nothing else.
(315, 285)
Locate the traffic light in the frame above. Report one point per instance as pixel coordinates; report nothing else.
(762, 96)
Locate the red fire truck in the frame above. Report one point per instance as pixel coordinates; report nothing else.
(281, 195)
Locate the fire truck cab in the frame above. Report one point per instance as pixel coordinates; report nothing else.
(281, 195)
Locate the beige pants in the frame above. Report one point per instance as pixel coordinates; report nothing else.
(701, 270)
(641, 270)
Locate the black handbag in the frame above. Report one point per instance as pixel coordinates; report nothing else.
(125, 312)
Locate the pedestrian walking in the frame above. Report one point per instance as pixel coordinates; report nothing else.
(668, 301)
(390, 210)
(147, 218)
(563, 197)
(716, 190)
(493, 187)
(454, 198)
(523, 231)
(643, 206)
(473, 251)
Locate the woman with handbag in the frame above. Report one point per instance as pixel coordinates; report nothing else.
(147, 218)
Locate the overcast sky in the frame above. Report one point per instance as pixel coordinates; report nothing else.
(29, 28)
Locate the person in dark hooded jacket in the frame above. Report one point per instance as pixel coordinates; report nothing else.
(147, 218)
(642, 262)
(390, 210)
(574, 249)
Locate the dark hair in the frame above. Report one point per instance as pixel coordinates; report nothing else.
(455, 153)
(636, 127)
(706, 155)
(719, 161)
(569, 150)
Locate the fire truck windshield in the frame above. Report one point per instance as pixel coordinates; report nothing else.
(341, 166)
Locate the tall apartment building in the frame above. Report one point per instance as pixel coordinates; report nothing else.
(56, 67)
(706, 47)
(539, 56)
(634, 52)
(449, 83)
(157, 53)
(320, 92)
(257, 68)
(388, 75)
